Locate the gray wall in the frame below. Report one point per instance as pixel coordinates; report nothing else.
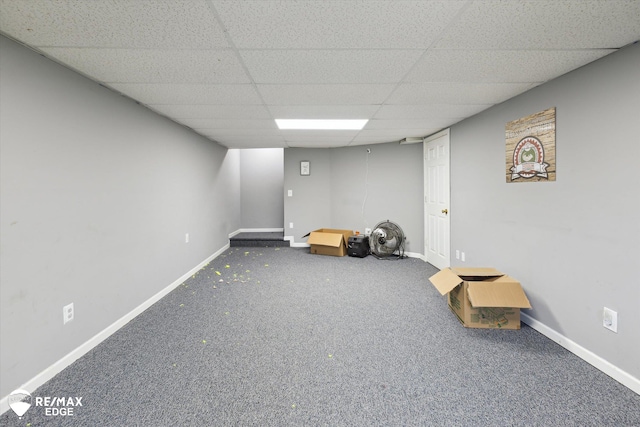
(573, 243)
(310, 206)
(97, 194)
(352, 189)
(262, 176)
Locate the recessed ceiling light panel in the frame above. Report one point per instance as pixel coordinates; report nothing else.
(313, 124)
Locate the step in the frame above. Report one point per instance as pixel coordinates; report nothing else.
(258, 239)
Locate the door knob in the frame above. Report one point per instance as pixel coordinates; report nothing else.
(445, 211)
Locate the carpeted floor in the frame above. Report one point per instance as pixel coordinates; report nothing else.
(280, 337)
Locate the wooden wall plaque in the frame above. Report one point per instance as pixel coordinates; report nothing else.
(531, 148)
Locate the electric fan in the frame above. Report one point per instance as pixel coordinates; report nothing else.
(387, 240)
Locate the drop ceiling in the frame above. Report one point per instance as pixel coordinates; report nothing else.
(227, 69)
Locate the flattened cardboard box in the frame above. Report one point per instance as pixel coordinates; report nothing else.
(329, 241)
(482, 297)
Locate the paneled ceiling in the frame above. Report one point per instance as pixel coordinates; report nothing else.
(227, 69)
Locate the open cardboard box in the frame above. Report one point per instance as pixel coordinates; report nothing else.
(482, 297)
(329, 241)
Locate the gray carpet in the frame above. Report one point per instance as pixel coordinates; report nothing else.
(284, 338)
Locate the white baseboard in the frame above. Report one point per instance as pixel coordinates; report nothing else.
(293, 244)
(416, 255)
(256, 230)
(593, 359)
(74, 355)
(299, 245)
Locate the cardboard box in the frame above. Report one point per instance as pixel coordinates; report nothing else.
(482, 297)
(329, 241)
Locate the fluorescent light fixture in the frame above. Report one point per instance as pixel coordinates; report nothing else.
(320, 124)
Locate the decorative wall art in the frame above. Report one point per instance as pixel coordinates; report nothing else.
(531, 148)
(305, 168)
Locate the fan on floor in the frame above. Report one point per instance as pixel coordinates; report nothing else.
(387, 240)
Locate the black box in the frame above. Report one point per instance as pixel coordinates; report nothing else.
(358, 246)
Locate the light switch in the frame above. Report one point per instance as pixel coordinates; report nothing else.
(290, 193)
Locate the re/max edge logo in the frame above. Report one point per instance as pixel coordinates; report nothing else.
(55, 406)
(21, 400)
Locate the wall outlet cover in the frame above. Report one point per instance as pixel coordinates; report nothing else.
(610, 319)
(67, 313)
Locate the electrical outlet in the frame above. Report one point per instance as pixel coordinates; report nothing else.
(186, 238)
(67, 313)
(457, 254)
(367, 231)
(610, 319)
(462, 257)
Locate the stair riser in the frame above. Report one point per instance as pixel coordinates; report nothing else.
(258, 243)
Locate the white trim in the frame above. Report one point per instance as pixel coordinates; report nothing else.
(416, 255)
(598, 362)
(299, 245)
(256, 230)
(293, 244)
(83, 349)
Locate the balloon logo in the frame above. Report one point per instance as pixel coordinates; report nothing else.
(19, 401)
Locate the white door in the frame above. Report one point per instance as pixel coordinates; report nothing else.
(436, 199)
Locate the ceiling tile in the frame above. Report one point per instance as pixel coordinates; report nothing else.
(240, 134)
(411, 67)
(378, 136)
(329, 66)
(544, 24)
(456, 93)
(400, 133)
(437, 111)
(319, 135)
(165, 93)
(153, 65)
(213, 111)
(116, 23)
(334, 94)
(369, 140)
(252, 142)
(499, 66)
(229, 123)
(407, 124)
(323, 111)
(325, 143)
(335, 24)
(253, 139)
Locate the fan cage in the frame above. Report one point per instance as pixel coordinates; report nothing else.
(381, 235)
